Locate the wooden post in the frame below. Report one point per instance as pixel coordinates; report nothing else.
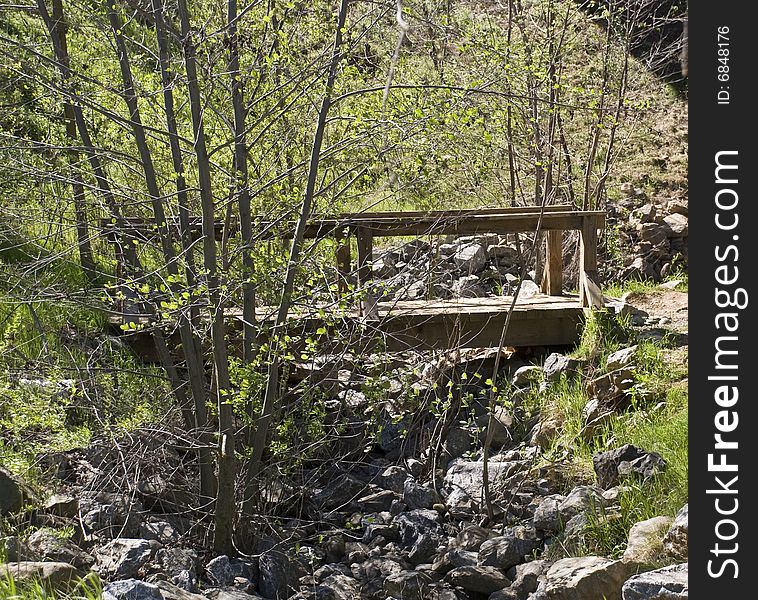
(552, 276)
(589, 283)
(343, 260)
(365, 239)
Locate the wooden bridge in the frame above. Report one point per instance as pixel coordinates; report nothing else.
(548, 318)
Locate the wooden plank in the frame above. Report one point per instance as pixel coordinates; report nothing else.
(589, 282)
(552, 277)
(411, 224)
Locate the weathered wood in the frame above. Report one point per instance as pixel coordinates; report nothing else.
(418, 224)
(365, 239)
(589, 282)
(552, 277)
(419, 324)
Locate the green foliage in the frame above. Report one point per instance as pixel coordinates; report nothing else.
(88, 588)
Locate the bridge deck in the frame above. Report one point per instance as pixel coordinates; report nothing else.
(466, 322)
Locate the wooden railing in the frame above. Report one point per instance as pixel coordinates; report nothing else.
(553, 220)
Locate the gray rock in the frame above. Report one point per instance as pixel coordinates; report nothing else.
(612, 465)
(559, 364)
(377, 502)
(384, 268)
(416, 495)
(123, 557)
(652, 233)
(393, 478)
(527, 375)
(131, 589)
(180, 564)
(338, 587)
(547, 517)
(12, 493)
(459, 440)
(393, 433)
(424, 548)
(339, 493)
(44, 544)
(506, 256)
(583, 578)
(160, 531)
(668, 583)
(111, 515)
(453, 559)
(645, 541)
(413, 524)
(482, 580)
(274, 575)
(468, 286)
(678, 224)
(220, 571)
(62, 505)
(581, 499)
(470, 259)
(169, 591)
(676, 540)
(508, 550)
(408, 585)
(54, 575)
(525, 581)
(464, 481)
(528, 289)
(621, 358)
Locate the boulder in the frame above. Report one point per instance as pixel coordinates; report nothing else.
(470, 259)
(668, 583)
(472, 537)
(611, 466)
(408, 585)
(463, 483)
(392, 478)
(274, 575)
(220, 571)
(62, 505)
(46, 544)
(452, 559)
(678, 224)
(469, 286)
(547, 517)
(481, 580)
(131, 589)
(581, 499)
(621, 358)
(528, 289)
(123, 557)
(509, 549)
(527, 375)
(13, 493)
(645, 541)
(338, 587)
(169, 591)
(377, 502)
(557, 364)
(52, 575)
(583, 578)
(416, 523)
(416, 495)
(458, 441)
(675, 542)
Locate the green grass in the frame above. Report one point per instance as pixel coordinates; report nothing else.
(88, 588)
(656, 422)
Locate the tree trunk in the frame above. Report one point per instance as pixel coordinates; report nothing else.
(225, 502)
(272, 381)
